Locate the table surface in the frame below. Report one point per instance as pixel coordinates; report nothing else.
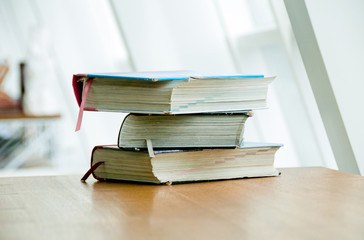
(302, 203)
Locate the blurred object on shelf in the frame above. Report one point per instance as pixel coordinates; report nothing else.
(28, 141)
(11, 140)
(41, 95)
(22, 66)
(8, 105)
(27, 138)
(4, 68)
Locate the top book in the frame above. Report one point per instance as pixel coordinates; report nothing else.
(170, 92)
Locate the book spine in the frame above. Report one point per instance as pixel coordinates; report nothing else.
(92, 164)
(77, 87)
(121, 128)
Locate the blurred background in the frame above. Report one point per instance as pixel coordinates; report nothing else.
(43, 43)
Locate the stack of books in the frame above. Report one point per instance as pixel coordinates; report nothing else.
(182, 126)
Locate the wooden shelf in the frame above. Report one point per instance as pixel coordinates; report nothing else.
(24, 116)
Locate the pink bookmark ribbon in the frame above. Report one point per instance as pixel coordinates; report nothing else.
(83, 102)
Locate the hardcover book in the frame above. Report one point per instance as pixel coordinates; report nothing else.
(171, 92)
(183, 165)
(183, 131)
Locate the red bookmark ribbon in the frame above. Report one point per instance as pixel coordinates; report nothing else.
(82, 106)
(90, 171)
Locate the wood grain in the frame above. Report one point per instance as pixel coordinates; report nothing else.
(302, 203)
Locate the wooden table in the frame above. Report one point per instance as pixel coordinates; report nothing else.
(302, 203)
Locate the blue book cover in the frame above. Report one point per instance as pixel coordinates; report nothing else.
(169, 75)
(245, 145)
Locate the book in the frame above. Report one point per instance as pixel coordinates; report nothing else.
(182, 165)
(181, 131)
(170, 92)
